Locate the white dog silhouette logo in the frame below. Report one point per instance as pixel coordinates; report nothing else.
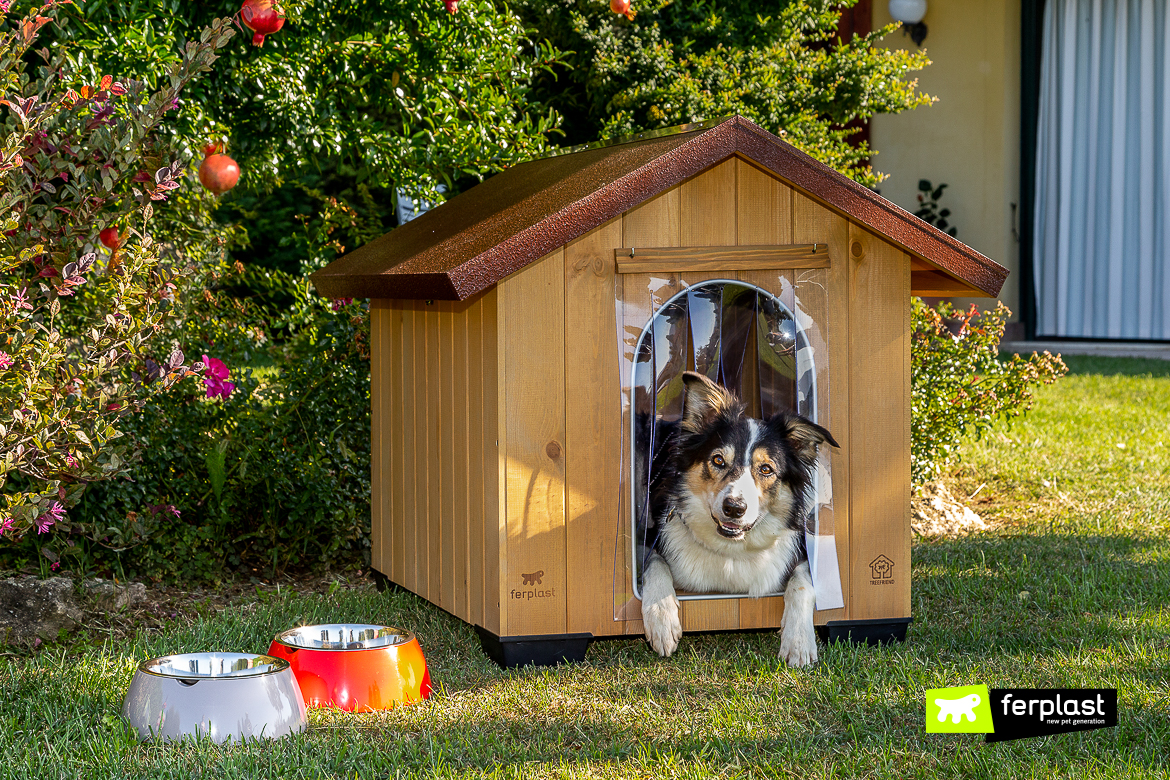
(958, 709)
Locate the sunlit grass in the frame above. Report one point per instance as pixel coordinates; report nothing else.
(1071, 589)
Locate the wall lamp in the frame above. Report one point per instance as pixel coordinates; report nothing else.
(910, 13)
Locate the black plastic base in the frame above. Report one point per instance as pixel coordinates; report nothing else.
(881, 631)
(511, 652)
(383, 583)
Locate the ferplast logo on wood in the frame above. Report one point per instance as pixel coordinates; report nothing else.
(533, 579)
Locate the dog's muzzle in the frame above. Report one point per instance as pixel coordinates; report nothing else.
(731, 526)
(730, 529)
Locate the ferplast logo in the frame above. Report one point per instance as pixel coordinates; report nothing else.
(1018, 713)
(527, 590)
(962, 710)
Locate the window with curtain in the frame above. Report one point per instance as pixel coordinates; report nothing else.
(1102, 168)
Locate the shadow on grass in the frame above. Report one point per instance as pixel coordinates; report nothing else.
(723, 706)
(1039, 592)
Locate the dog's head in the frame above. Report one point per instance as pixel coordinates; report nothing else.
(738, 470)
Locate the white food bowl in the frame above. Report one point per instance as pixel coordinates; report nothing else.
(223, 696)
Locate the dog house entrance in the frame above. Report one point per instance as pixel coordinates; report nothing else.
(752, 337)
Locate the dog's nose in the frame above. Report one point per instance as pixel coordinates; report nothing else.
(734, 508)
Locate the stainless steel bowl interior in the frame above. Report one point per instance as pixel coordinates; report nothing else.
(199, 666)
(344, 636)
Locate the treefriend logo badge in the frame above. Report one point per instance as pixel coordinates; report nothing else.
(962, 710)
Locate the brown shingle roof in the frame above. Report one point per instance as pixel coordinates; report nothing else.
(496, 228)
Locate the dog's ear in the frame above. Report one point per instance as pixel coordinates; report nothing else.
(805, 436)
(704, 401)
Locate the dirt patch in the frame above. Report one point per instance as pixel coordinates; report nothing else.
(154, 607)
(934, 512)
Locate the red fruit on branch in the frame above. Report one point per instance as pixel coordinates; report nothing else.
(219, 173)
(262, 17)
(620, 7)
(215, 147)
(110, 238)
(452, 6)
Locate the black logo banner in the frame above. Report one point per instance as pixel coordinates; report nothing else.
(1036, 712)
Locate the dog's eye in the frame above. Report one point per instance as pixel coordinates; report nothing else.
(767, 470)
(718, 461)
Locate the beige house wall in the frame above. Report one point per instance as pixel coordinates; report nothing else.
(969, 139)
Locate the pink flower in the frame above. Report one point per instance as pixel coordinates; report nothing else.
(5, 360)
(215, 377)
(6, 525)
(55, 565)
(339, 302)
(20, 301)
(55, 514)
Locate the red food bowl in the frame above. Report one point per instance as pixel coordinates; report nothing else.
(354, 666)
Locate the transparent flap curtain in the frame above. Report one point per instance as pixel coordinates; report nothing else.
(756, 342)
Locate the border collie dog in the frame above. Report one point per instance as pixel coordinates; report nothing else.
(728, 502)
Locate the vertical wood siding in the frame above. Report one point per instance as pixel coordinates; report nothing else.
(434, 455)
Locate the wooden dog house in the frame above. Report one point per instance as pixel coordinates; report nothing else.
(496, 428)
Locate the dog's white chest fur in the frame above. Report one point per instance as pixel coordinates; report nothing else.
(705, 563)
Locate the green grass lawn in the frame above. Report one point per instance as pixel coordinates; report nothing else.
(1072, 589)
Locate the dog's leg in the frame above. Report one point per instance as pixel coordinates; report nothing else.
(660, 607)
(798, 638)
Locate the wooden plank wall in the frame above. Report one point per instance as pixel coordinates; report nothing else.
(592, 430)
(434, 385)
(879, 426)
(534, 450)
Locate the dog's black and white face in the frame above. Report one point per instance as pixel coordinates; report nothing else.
(747, 476)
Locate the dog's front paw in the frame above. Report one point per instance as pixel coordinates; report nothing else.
(662, 626)
(798, 646)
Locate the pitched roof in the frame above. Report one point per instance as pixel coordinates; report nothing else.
(470, 242)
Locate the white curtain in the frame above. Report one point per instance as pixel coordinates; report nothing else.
(1102, 170)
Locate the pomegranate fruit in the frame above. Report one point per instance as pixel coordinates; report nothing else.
(262, 17)
(219, 173)
(619, 6)
(110, 238)
(452, 6)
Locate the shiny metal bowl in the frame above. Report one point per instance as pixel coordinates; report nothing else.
(223, 696)
(343, 636)
(356, 667)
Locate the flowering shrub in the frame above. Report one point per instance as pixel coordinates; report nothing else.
(79, 346)
(269, 477)
(959, 384)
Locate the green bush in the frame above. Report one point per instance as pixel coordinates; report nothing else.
(959, 383)
(78, 352)
(271, 477)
